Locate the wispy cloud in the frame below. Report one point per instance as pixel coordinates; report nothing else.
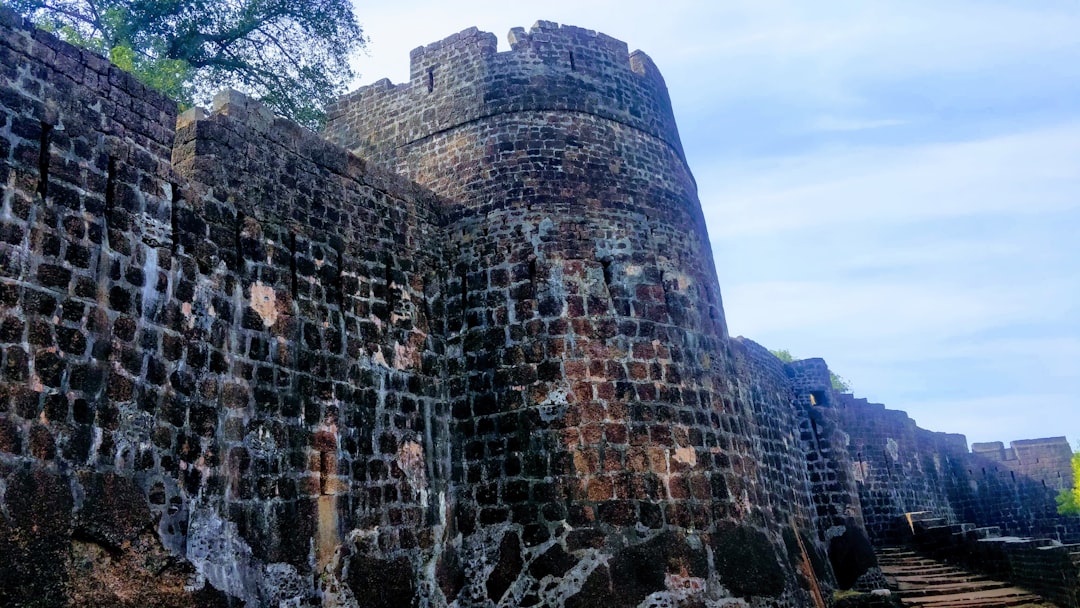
(858, 308)
(838, 123)
(1021, 173)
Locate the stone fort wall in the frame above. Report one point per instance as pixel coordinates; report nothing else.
(221, 344)
(1044, 460)
(481, 362)
(901, 468)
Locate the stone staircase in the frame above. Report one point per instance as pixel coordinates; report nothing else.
(927, 583)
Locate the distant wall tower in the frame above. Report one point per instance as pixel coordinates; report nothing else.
(596, 384)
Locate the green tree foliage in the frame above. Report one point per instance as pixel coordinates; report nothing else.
(783, 355)
(293, 54)
(1069, 499)
(839, 383)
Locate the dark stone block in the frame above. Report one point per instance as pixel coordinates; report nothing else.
(617, 512)
(120, 299)
(35, 534)
(516, 491)
(549, 371)
(51, 275)
(297, 522)
(381, 583)
(851, 555)
(585, 538)
(71, 340)
(450, 574)
(533, 534)
(27, 402)
(553, 562)
(595, 591)
(651, 515)
(16, 364)
(746, 561)
(202, 420)
(11, 329)
(114, 509)
(10, 436)
(40, 333)
(507, 568)
(79, 443)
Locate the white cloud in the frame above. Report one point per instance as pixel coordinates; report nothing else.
(1024, 173)
(929, 253)
(888, 310)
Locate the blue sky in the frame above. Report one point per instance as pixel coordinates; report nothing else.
(893, 186)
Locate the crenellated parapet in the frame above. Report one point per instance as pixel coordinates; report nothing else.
(464, 78)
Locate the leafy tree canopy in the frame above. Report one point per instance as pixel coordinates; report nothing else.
(839, 383)
(293, 54)
(1069, 500)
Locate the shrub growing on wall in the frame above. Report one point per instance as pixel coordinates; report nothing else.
(1069, 499)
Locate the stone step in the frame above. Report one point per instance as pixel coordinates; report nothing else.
(931, 523)
(921, 582)
(921, 589)
(961, 528)
(919, 570)
(987, 532)
(961, 599)
(965, 577)
(918, 566)
(1009, 596)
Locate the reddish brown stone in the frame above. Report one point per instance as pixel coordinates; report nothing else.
(10, 436)
(35, 534)
(42, 444)
(114, 511)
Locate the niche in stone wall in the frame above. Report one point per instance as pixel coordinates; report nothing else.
(44, 156)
